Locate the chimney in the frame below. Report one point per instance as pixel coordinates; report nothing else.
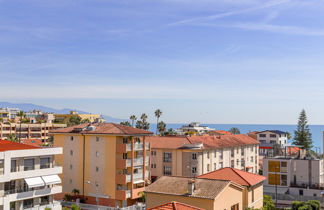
(191, 186)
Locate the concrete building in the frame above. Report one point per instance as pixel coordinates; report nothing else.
(298, 177)
(209, 194)
(8, 113)
(252, 184)
(108, 163)
(28, 177)
(91, 117)
(197, 155)
(269, 138)
(193, 128)
(28, 130)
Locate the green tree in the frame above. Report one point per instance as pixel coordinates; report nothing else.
(75, 207)
(303, 137)
(12, 138)
(85, 121)
(234, 131)
(73, 120)
(288, 135)
(170, 132)
(158, 114)
(161, 128)
(20, 114)
(126, 123)
(268, 203)
(142, 123)
(133, 118)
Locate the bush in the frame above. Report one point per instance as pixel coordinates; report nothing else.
(67, 197)
(308, 205)
(268, 203)
(315, 204)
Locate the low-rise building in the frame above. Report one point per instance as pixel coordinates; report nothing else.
(8, 113)
(193, 128)
(28, 177)
(252, 184)
(297, 177)
(269, 138)
(28, 130)
(207, 194)
(108, 163)
(91, 117)
(197, 155)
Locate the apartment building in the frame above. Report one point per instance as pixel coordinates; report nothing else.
(193, 128)
(91, 117)
(252, 184)
(269, 138)
(197, 155)
(28, 130)
(108, 163)
(299, 176)
(8, 113)
(28, 177)
(209, 194)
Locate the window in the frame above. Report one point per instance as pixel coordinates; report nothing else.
(29, 203)
(252, 195)
(44, 200)
(215, 155)
(215, 168)
(153, 152)
(208, 167)
(251, 159)
(194, 170)
(208, 154)
(235, 207)
(232, 164)
(70, 181)
(232, 152)
(283, 164)
(283, 180)
(242, 162)
(221, 155)
(262, 135)
(237, 150)
(125, 140)
(194, 156)
(71, 152)
(71, 138)
(97, 169)
(45, 162)
(242, 151)
(272, 141)
(97, 139)
(252, 148)
(71, 166)
(153, 165)
(273, 135)
(13, 165)
(167, 156)
(1, 166)
(167, 170)
(97, 154)
(221, 165)
(29, 164)
(237, 162)
(301, 192)
(124, 156)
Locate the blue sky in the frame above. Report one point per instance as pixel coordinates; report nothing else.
(213, 61)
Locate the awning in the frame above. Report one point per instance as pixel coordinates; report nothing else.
(138, 181)
(34, 182)
(51, 179)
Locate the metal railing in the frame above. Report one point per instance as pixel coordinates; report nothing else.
(289, 197)
(90, 206)
(317, 186)
(42, 207)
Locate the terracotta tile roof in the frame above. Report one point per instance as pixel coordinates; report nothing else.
(238, 176)
(221, 132)
(204, 188)
(32, 142)
(9, 145)
(103, 128)
(222, 141)
(175, 206)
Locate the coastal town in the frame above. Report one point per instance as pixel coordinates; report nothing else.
(80, 161)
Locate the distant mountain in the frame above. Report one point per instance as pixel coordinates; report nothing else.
(28, 106)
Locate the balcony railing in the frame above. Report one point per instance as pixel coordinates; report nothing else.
(138, 146)
(138, 176)
(138, 161)
(42, 207)
(316, 186)
(24, 189)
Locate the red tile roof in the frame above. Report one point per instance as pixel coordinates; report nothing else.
(238, 176)
(32, 142)
(222, 141)
(221, 132)
(174, 206)
(9, 145)
(103, 128)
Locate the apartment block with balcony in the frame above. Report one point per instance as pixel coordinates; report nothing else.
(28, 177)
(106, 162)
(269, 138)
(196, 155)
(28, 130)
(294, 176)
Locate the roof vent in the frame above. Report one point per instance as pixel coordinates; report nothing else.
(91, 128)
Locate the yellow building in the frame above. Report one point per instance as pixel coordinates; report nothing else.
(90, 117)
(209, 194)
(108, 163)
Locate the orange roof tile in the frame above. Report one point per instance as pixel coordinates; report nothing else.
(171, 142)
(174, 206)
(103, 128)
(32, 142)
(9, 145)
(221, 132)
(238, 176)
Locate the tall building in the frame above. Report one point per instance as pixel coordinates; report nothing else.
(28, 177)
(28, 130)
(196, 155)
(108, 163)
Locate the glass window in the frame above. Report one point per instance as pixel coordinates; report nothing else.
(29, 203)
(97, 139)
(221, 154)
(208, 167)
(194, 156)
(71, 152)
(208, 154)
(167, 157)
(45, 162)
(262, 135)
(97, 169)
(232, 152)
(167, 170)
(232, 164)
(13, 166)
(29, 164)
(215, 167)
(194, 170)
(71, 138)
(1, 166)
(44, 200)
(273, 135)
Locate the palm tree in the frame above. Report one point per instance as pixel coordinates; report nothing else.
(158, 114)
(234, 130)
(162, 128)
(143, 124)
(126, 123)
(133, 118)
(20, 114)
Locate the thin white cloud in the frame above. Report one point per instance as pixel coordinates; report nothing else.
(231, 13)
(269, 28)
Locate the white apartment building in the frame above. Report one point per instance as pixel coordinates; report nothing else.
(300, 176)
(269, 138)
(28, 177)
(196, 155)
(9, 113)
(194, 127)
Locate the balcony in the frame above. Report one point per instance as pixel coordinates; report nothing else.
(123, 163)
(123, 194)
(138, 176)
(123, 178)
(147, 146)
(22, 194)
(138, 161)
(135, 193)
(315, 186)
(53, 206)
(123, 148)
(138, 146)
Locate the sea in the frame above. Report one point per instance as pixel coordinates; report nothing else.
(316, 130)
